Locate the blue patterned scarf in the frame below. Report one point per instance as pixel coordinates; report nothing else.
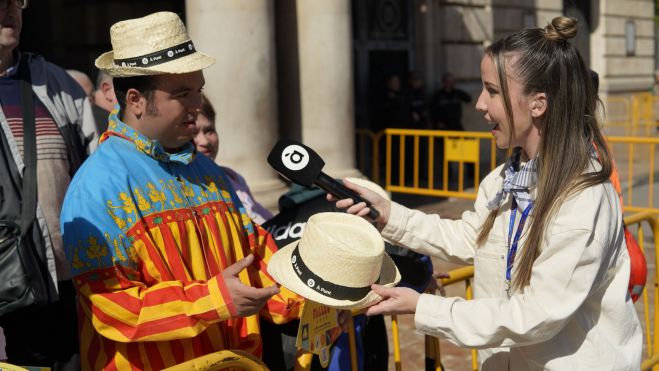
(517, 181)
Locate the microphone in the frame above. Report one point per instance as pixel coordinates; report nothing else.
(302, 165)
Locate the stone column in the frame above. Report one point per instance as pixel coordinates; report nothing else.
(241, 85)
(326, 83)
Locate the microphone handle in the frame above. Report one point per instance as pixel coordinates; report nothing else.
(338, 190)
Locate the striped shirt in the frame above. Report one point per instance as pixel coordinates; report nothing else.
(52, 161)
(148, 235)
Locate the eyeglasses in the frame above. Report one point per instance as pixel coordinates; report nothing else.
(20, 4)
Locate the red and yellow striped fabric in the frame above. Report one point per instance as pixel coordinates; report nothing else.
(176, 307)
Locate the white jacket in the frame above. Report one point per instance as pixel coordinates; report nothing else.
(574, 315)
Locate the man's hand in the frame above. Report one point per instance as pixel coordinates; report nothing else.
(246, 299)
(396, 300)
(382, 205)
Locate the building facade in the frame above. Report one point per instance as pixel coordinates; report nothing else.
(311, 69)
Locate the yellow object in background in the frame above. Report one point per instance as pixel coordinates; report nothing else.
(318, 330)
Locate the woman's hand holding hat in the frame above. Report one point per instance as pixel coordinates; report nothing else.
(378, 202)
(396, 300)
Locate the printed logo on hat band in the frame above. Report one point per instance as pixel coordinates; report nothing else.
(323, 287)
(159, 57)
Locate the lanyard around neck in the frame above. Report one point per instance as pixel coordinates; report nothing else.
(512, 247)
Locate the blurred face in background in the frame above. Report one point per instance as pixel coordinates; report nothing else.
(11, 22)
(206, 138)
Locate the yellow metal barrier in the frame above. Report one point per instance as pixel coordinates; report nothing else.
(651, 328)
(618, 112)
(415, 152)
(643, 114)
(635, 160)
(459, 148)
(637, 114)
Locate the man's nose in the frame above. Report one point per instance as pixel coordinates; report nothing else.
(201, 139)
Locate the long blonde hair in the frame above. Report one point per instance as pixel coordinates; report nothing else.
(544, 61)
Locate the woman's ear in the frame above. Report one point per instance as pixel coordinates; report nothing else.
(538, 105)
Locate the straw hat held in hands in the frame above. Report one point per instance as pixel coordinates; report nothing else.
(337, 262)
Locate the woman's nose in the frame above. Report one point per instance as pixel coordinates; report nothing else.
(481, 104)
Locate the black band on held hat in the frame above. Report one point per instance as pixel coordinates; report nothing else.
(159, 57)
(323, 287)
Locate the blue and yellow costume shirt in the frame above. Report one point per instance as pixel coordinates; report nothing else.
(148, 234)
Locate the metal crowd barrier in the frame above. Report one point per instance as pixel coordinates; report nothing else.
(434, 163)
(637, 114)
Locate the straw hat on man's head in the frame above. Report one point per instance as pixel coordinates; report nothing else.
(335, 262)
(153, 45)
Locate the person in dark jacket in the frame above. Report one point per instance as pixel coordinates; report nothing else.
(446, 105)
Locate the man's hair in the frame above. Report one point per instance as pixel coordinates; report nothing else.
(207, 108)
(81, 78)
(144, 84)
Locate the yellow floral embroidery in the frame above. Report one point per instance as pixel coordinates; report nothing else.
(142, 203)
(186, 189)
(120, 222)
(127, 203)
(212, 187)
(96, 250)
(172, 189)
(117, 250)
(77, 263)
(156, 196)
(203, 193)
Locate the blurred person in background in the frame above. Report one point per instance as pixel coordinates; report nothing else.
(104, 100)
(84, 81)
(207, 142)
(446, 106)
(45, 335)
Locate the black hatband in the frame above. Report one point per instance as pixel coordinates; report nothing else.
(323, 287)
(159, 57)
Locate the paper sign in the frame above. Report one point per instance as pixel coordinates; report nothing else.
(318, 330)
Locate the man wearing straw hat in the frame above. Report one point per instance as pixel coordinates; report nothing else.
(167, 265)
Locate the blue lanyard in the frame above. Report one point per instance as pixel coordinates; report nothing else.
(512, 248)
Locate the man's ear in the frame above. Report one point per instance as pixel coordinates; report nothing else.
(107, 91)
(135, 102)
(538, 105)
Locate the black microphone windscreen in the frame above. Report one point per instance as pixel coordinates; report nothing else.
(296, 161)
